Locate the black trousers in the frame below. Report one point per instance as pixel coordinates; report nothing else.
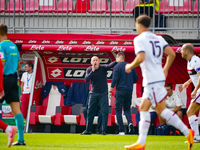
(142, 10)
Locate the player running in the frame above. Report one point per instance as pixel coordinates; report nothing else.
(193, 68)
(149, 49)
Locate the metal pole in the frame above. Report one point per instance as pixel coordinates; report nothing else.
(154, 16)
(31, 96)
(198, 19)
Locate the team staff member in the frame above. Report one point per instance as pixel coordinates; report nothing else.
(193, 68)
(97, 74)
(149, 49)
(10, 130)
(124, 89)
(26, 84)
(10, 59)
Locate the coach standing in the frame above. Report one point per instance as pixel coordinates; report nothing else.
(124, 89)
(10, 59)
(97, 74)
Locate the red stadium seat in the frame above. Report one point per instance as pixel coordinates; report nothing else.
(165, 8)
(2, 6)
(63, 4)
(14, 4)
(130, 5)
(185, 9)
(98, 6)
(117, 6)
(45, 113)
(47, 7)
(82, 6)
(195, 11)
(32, 6)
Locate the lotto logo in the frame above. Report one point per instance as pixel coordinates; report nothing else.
(53, 59)
(55, 73)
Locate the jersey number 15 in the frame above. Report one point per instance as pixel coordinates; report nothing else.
(156, 48)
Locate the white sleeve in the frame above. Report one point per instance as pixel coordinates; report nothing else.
(138, 45)
(178, 99)
(197, 64)
(164, 43)
(23, 77)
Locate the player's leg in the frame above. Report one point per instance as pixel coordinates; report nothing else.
(193, 120)
(15, 107)
(161, 120)
(10, 130)
(180, 114)
(143, 126)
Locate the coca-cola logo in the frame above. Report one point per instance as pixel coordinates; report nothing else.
(92, 48)
(118, 49)
(64, 48)
(73, 42)
(19, 41)
(128, 43)
(38, 84)
(86, 42)
(100, 42)
(45, 42)
(59, 42)
(37, 47)
(32, 41)
(113, 42)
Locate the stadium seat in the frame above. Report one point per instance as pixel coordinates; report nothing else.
(98, 6)
(14, 6)
(195, 10)
(31, 6)
(117, 6)
(165, 8)
(82, 6)
(47, 6)
(45, 113)
(63, 5)
(2, 6)
(185, 9)
(130, 5)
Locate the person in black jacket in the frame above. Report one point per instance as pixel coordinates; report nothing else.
(124, 89)
(97, 74)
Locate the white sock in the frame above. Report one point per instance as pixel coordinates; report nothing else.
(8, 129)
(172, 119)
(144, 124)
(194, 124)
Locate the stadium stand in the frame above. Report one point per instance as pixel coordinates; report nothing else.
(185, 9)
(195, 10)
(82, 6)
(2, 6)
(165, 8)
(47, 6)
(31, 6)
(117, 6)
(14, 6)
(98, 6)
(65, 6)
(130, 5)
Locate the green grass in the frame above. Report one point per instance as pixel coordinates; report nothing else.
(38, 141)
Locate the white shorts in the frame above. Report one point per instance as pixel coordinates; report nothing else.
(197, 99)
(155, 92)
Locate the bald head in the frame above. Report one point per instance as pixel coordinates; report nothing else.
(189, 47)
(95, 62)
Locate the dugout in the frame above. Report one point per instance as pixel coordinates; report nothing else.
(65, 57)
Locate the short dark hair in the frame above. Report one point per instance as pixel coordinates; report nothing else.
(189, 47)
(3, 29)
(144, 20)
(30, 64)
(169, 85)
(121, 54)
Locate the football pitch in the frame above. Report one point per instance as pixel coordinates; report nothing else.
(39, 141)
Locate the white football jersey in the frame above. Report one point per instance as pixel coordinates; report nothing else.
(193, 66)
(153, 46)
(173, 101)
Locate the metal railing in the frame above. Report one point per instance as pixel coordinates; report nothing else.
(96, 16)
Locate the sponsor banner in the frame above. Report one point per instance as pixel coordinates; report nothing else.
(72, 54)
(80, 48)
(75, 42)
(28, 56)
(70, 73)
(74, 60)
(6, 112)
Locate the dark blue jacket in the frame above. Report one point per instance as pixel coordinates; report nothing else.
(123, 80)
(98, 78)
